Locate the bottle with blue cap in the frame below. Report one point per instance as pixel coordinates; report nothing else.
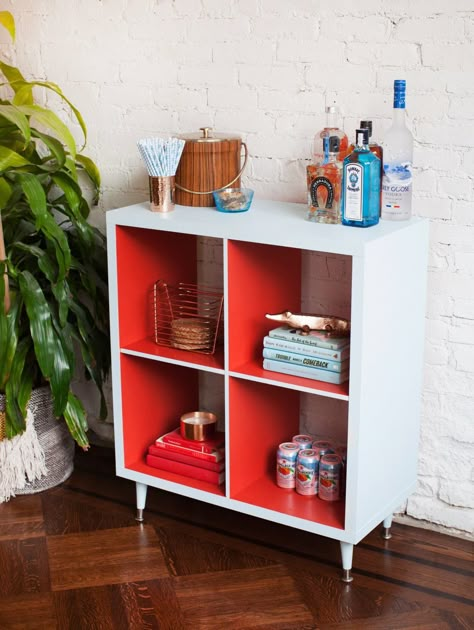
(398, 160)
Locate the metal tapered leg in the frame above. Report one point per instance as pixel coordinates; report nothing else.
(386, 527)
(141, 489)
(347, 550)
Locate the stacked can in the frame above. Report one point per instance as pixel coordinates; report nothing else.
(307, 468)
(286, 464)
(322, 447)
(304, 441)
(330, 467)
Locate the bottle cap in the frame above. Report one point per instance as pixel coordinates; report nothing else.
(334, 144)
(399, 89)
(362, 136)
(366, 124)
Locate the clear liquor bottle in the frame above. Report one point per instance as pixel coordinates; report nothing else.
(398, 159)
(331, 129)
(361, 184)
(324, 185)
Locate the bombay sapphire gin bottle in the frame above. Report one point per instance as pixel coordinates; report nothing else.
(361, 184)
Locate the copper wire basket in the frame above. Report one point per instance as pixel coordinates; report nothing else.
(187, 316)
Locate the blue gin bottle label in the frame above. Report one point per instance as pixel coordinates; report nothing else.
(354, 190)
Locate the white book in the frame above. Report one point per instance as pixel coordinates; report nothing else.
(300, 370)
(302, 359)
(311, 351)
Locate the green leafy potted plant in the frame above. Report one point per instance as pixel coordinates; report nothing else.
(53, 297)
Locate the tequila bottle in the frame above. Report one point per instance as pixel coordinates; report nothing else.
(373, 146)
(361, 184)
(398, 158)
(331, 129)
(324, 184)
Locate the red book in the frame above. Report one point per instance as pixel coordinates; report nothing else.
(216, 456)
(186, 459)
(206, 446)
(195, 472)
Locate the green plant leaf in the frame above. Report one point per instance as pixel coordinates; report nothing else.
(23, 92)
(53, 144)
(74, 199)
(48, 119)
(55, 88)
(71, 191)
(17, 118)
(36, 197)
(8, 331)
(44, 261)
(18, 389)
(93, 173)
(75, 416)
(91, 342)
(11, 159)
(5, 192)
(12, 75)
(7, 20)
(50, 350)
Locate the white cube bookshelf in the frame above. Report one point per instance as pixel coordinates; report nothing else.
(262, 254)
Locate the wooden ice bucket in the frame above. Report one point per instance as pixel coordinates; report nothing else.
(210, 161)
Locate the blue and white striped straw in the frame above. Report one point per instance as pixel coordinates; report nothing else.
(161, 156)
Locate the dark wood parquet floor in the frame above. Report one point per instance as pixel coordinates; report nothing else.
(74, 558)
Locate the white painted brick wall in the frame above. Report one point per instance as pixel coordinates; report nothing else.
(266, 69)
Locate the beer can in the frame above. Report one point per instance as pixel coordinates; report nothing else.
(330, 467)
(304, 441)
(322, 447)
(286, 464)
(307, 465)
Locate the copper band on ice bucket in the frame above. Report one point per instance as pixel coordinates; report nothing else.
(198, 425)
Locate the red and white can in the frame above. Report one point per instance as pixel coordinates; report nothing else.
(286, 464)
(307, 465)
(304, 441)
(330, 469)
(322, 447)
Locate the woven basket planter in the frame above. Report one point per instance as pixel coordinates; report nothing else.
(55, 440)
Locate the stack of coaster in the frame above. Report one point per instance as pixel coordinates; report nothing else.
(192, 333)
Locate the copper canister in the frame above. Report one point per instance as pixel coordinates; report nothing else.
(210, 161)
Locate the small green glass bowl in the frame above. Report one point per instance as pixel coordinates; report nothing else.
(232, 200)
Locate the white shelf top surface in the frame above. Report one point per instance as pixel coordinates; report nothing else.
(268, 222)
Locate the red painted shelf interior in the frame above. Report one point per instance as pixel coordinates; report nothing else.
(266, 279)
(154, 397)
(265, 493)
(142, 467)
(143, 257)
(148, 346)
(262, 279)
(262, 417)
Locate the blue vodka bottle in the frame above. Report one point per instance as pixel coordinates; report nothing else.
(361, 184)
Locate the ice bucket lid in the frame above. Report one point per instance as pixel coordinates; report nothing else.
(205, 134)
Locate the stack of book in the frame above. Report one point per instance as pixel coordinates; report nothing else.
(316, 355)
(190, 458)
